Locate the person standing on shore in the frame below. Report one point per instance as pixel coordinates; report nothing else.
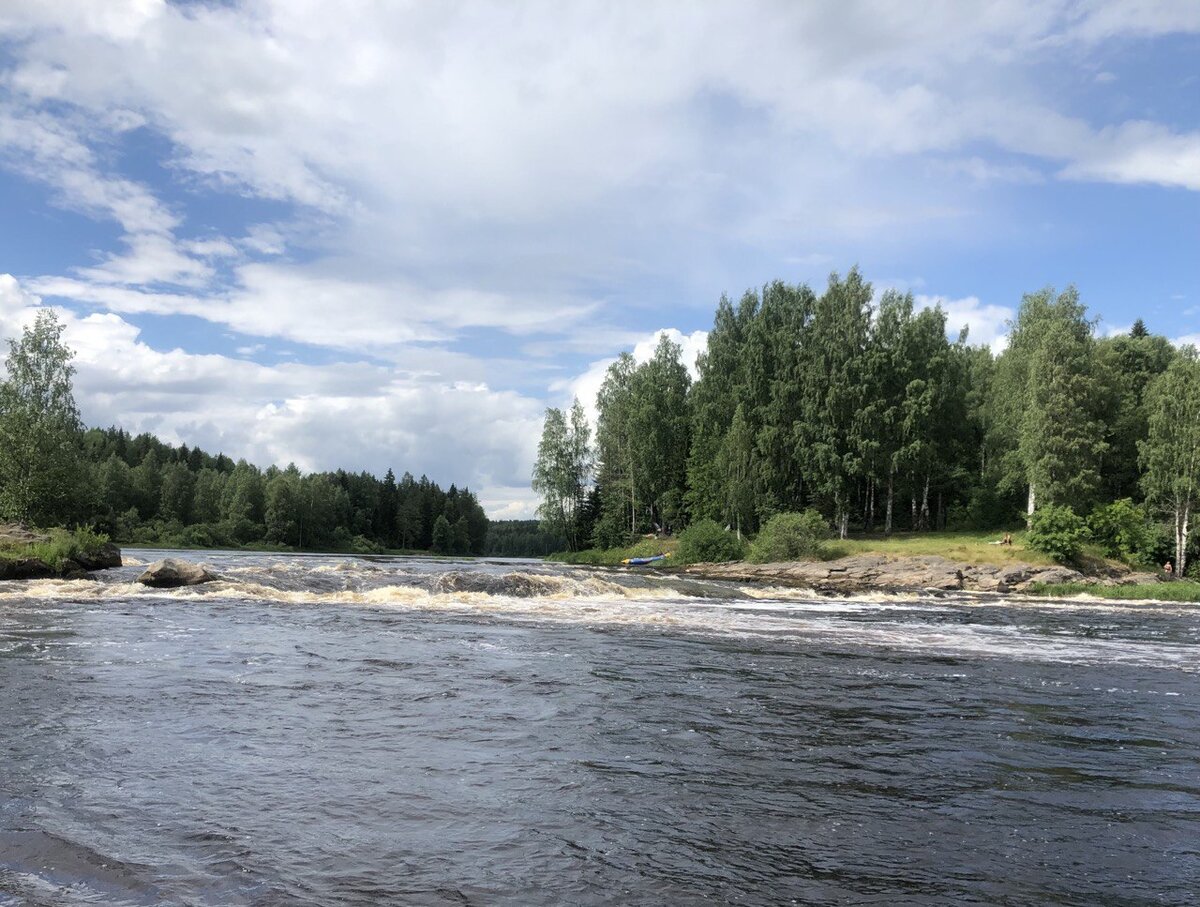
(1168, 569)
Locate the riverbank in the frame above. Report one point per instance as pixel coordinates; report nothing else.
(54, 553)
(877, 572)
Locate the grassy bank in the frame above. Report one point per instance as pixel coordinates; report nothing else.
(1176, 591)
(966, 547)
(53, 547)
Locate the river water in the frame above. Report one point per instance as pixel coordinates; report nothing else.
(333, 730)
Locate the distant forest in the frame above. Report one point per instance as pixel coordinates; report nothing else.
(142, 490)
(521, 538)
(860, 406)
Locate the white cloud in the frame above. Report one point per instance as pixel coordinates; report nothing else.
(987, 324)
(465, 177)
(452, 431)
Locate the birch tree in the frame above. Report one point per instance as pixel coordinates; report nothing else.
(40, 467)
(1170, 455)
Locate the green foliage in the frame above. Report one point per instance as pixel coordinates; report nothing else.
(642, 441)
(1058, 531)
(790, 537)
(61, 546)
(1123, 530)
(40, 468)
(562, 472)
(1170, 454)
(612, 557)
(705, 541)
(443, 536)
(1179, 591)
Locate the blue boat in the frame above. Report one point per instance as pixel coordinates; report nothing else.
(643, 561)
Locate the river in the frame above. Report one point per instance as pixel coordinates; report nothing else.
(336, 730)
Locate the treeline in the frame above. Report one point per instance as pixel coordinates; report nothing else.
(866, 411)
(521, 538)
(140, 489)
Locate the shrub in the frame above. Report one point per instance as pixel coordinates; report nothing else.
(705, 540)
(1123, 531)
(1057, 531)
(790, 537)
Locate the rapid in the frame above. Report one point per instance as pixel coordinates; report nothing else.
(336, 730)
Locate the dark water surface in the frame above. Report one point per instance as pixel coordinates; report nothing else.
(336, 731)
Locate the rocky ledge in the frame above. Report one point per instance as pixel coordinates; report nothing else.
(898, 574)
(15, 535)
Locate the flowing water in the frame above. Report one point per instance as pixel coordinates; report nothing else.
(334, 731)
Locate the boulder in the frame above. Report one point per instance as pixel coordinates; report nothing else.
(1051, 576)
(106, 556)
(1138, 579)
(170, 573)
(26, 568)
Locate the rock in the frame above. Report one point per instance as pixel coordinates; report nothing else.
(866, 572)
(106, 556)
(1138, 579)
(73, 570)
(1050, 576)
(170, 573)
(26, 568)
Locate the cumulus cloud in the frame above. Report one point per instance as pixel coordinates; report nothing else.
(353, 415)
(486, 196)
(986, 324)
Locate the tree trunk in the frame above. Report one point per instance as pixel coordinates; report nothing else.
(925, 505)
(1031, 505)
(891, 499)
(1182, 529)
(844, 524)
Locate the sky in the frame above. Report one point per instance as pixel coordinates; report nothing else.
(389, 234)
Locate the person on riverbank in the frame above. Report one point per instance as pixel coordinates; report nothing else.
(1168, 569)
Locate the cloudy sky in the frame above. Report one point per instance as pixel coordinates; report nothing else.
(372, 234)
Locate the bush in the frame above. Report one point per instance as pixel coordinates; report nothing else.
(1123, 531)
(706, 541)
(1057, 531)
(790, 537)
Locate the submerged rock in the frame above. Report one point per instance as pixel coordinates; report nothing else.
(170, 573)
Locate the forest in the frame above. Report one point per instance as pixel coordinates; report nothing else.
(861, 408)
(139, 489)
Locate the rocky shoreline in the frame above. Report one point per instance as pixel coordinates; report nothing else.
(865, 573)
(77, 567)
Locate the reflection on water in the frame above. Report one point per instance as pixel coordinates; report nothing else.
(337, 730)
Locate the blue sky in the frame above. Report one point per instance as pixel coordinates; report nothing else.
(389, 234)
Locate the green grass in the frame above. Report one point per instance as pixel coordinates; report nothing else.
(1177, 591)
(612, 557)
(62, 545)
(969, 547)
